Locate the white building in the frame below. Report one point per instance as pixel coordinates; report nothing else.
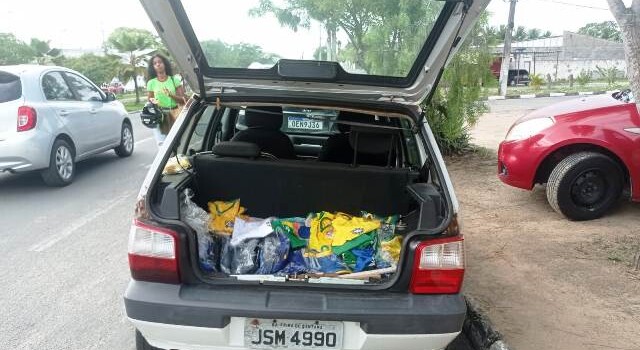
(570, 53)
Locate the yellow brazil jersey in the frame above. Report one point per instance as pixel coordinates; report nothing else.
(223, 215)
(321, 235)
(346, 227)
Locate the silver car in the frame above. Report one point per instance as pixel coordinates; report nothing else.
(52, 117)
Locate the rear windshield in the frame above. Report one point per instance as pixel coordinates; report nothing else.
(10, 87)
(368, 37)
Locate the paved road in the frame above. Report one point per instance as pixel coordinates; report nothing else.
(492, 127)
(63, 262)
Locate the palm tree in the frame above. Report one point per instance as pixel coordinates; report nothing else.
(133, 42)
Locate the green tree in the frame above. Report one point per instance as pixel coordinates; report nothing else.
(497, 33)
(456, 105)
(520, 34)
(99, 69)
(43, 51)
(354, 17)
(221, 54)
(534, 33)
(320, 53)
(133, 42)
(608, 30)
(14, 51)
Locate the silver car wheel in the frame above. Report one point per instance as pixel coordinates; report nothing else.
(127, 139)
(64, 163)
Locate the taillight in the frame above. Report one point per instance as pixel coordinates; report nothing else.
(439, 266)
(27, 118)
(153, 253)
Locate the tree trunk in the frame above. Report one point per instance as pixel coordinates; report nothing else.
(135, 84)
(631, 36)
(629, 21)
(132, 59)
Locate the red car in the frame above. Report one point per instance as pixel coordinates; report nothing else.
(586, 150)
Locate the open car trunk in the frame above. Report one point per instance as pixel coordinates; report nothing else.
(258, 218)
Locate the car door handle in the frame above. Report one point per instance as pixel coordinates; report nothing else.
(93, 111)
(63, 113)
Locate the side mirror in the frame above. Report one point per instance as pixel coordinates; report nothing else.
(110, 97)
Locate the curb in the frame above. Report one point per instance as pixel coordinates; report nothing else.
(479, 329)
(552, 94)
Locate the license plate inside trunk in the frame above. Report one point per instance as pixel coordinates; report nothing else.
(292, 334)
(304, 123)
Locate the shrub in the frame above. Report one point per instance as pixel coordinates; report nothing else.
(536, 81)
(609, 74)
(584, 78)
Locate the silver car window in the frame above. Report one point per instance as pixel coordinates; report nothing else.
(55, 88)
(10, 87)
(84, 90)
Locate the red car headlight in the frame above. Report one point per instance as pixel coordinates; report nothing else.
(528, 128)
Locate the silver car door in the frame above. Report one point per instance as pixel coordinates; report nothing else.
(103, 124)
(71, 112)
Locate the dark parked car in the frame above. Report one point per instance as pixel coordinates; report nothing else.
(518, 77)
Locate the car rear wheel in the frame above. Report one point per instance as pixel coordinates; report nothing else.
(62, 166)
(141, 343)
(126, 141)
(585, 185)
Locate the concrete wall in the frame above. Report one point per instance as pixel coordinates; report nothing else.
(567, 67)
(571, 52)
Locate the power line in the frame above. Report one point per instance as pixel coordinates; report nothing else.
(577, 5)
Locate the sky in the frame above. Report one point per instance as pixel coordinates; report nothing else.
(84, 24)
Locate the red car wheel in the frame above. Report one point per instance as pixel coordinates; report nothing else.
(585, 185)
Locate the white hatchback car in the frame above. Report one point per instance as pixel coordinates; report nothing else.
(296, 142)
(52, 117)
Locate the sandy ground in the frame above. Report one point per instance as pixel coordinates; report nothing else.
(545, 282)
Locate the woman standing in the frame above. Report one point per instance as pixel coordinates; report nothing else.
(165, 90)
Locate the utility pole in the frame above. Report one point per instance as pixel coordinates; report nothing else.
(506, 54)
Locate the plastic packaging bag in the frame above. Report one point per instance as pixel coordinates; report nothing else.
(238, 260)
(295, 229)
(198, 219)
(296, 264)
(251, 228)
(389, 252)
(326, 264)
(274, 253)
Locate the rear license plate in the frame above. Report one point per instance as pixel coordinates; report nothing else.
(292, 334)
(304, 123)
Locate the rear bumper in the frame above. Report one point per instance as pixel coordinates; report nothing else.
(25, 151)
(153, 307)
(231, 337)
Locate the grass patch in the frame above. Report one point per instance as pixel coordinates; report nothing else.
(133, 106)
(617, 249)
(562, 87)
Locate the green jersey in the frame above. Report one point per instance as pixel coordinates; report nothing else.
(157, 87)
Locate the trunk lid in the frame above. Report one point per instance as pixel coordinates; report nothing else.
(373, 52)
(10, 100)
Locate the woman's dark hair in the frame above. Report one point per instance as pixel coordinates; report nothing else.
(167, 66)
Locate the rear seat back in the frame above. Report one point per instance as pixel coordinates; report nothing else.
(294, 188)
